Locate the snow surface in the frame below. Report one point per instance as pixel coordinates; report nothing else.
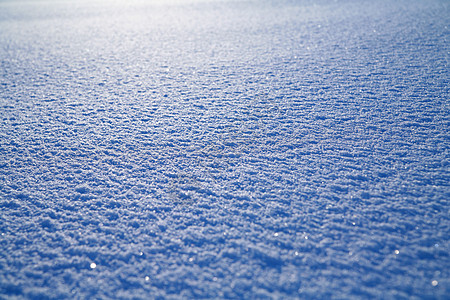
(224, 149)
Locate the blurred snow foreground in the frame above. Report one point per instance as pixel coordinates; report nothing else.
(224, 149)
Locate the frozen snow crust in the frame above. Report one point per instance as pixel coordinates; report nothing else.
(224, 149)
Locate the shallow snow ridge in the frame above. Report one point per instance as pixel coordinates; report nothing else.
(224, 149)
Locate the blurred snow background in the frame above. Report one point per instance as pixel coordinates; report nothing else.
(224, 149)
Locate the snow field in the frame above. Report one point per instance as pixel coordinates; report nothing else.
(224, 149)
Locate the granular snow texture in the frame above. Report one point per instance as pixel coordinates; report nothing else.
(224, 149)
